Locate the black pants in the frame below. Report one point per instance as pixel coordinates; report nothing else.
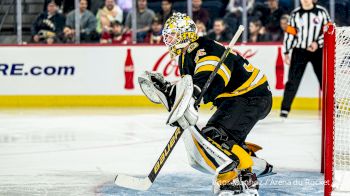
(238, 115)
(300, 58)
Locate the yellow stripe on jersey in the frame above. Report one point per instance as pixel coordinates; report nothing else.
(211, 68)
(249, 67)
(182, 60)
(214, 60)
(204, 156)
(248, 83)
(209, 58)
(226, 68)
(256, 79)
(243, 91)
(214, 63)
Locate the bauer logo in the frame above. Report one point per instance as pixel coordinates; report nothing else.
(167, 150)
(21, 69)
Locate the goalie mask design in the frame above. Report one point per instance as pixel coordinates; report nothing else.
(179, 30)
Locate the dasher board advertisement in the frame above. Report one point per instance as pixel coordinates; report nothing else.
(113, 70)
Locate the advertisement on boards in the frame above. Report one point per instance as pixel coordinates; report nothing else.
(113, 70)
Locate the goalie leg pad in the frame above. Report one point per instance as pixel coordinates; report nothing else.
(205, 158)
(219, 138)
(203, 155)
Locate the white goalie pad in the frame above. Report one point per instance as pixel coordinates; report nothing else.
(194, 154)
(183, 111)
(195, 143)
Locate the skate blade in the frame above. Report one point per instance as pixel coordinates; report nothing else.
(251, 192)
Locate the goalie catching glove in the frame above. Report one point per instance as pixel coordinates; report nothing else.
(178, 98)
(157, 89)
(164, 87)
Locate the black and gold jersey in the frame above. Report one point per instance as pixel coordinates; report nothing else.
(236, 76)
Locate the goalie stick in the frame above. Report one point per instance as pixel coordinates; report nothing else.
(144, 183)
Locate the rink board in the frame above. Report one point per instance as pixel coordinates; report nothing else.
(41, 76)
(301, 103)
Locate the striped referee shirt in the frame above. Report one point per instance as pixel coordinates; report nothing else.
(305, 27)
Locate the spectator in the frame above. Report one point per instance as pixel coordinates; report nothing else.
(273, 20)
(87, 24)
(64, 6)
(198, 13)
(117, 35)
(48, 26)
(155, 35)
(144, 18)
(167, 10)
(109, 13)
(202, 30)
(284, 22)
(283, 26)
(219, 32)
(59, 4)
(257, 32)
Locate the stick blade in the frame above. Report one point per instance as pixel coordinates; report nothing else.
(132, 182)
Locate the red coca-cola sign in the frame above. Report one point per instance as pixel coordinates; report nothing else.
(166, 66)
(169, 67)
(129, 71)
(246, 54)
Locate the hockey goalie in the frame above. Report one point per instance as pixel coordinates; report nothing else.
(240, 93)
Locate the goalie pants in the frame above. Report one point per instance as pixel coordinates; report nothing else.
(238, 115)
(299, 60)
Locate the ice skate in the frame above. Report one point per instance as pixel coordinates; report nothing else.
(244, 184)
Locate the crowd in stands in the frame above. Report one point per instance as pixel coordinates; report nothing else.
(110, 21)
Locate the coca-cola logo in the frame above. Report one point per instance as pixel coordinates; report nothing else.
(246, 54)
(168, 66)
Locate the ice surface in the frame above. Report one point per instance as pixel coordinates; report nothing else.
(79, 151)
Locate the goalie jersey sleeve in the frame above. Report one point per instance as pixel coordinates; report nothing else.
(235, 77)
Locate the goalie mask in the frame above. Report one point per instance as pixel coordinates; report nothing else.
(179, 30)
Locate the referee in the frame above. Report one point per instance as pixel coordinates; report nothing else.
(304, 35)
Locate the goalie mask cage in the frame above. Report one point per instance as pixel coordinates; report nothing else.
(336, 111)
